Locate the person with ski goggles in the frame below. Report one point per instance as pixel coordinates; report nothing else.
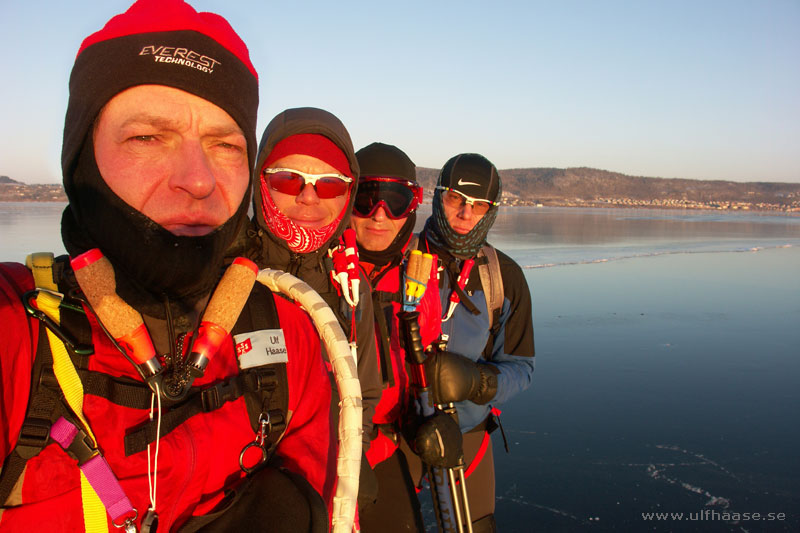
(385, 204)
(305, 182)
(384, 215)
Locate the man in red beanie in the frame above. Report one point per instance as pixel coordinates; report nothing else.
(221, 434)
(305, 177)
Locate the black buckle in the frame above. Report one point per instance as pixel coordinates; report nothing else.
(209, 399)
(48, 379)
(266, 379)
(33, 437)
(277, 419)
(212, 398)
(81, 447)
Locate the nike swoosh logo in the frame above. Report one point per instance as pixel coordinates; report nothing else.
(462, 182)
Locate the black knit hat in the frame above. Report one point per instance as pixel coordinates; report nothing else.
(473, 175)
(387, 161)
(160, 42)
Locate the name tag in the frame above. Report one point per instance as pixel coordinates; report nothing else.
(262, 347)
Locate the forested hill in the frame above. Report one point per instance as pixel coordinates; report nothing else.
(593, 187)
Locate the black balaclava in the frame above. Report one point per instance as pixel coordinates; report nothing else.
(475, 176)
(155, 42)
(388, 161)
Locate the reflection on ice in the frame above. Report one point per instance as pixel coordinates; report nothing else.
(701, 457)
(658, 472)
(513, 495)
(568, 257)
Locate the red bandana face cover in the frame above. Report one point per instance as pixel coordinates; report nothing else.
(299, 239)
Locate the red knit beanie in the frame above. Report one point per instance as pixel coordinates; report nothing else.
(314, 145)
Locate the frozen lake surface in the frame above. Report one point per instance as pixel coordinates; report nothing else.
(667, 367)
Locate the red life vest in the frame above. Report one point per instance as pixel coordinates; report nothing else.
(198, 461)
(395, 397)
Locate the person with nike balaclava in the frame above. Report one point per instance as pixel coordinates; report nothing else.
(484, 356)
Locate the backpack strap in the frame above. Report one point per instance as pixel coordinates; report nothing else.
(268, 392)
(492, 282)
(44, 408)
(256, 385)
(48, 301)
(43, 412)
(383, 309)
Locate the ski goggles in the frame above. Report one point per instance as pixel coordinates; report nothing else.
(398, 197)
(291, 182)
(457, 200)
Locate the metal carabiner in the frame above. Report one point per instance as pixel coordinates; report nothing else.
(265, 427)
(35, 312)
(129, 525)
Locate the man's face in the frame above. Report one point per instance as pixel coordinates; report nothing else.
(376, 232)
(307, 209)
(177, 158)
(460, 215)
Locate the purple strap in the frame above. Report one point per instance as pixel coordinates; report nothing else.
(97, 471)
(63, 432)
(105, 483)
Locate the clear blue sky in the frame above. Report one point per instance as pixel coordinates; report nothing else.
(690, 89)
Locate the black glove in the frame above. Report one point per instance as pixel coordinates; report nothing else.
(439, 442)
(367, 485)
(454, 378)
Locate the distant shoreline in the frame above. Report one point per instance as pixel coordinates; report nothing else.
(586, 205)
(732, 207)
(573, 187)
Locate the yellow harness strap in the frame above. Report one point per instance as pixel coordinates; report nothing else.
(41, 265)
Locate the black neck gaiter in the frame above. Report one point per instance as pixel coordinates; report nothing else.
(383, 257)
(151, 264)
(444, 237)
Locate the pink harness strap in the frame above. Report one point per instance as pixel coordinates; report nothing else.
(97, 471)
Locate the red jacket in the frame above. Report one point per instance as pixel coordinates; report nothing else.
(197, 461)
(394, 399)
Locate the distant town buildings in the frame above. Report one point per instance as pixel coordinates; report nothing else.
(12, 191)
(791, 206)
(22, 192)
